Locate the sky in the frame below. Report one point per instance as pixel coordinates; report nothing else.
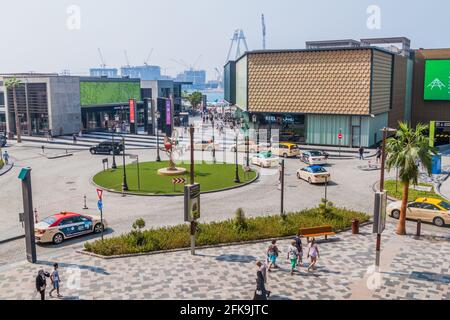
(52, 36)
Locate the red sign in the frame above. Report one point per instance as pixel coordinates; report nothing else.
(132, 110)
(100, 194)
(340, 136)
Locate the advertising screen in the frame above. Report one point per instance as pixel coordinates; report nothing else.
(437, 80)
(94, 93)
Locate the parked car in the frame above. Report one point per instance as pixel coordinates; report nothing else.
(252, 147)
(264, 159)
(286, 150)
(106, 147)
(314, 157)
(314, 174)
(65, 225)
(3, 140)
(426, 209)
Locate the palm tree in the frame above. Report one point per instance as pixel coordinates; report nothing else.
(404, 151)
(13, 83)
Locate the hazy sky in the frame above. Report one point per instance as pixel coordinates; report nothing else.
(35, 36)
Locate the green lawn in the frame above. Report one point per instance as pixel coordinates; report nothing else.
(413, 194)
(210, 176)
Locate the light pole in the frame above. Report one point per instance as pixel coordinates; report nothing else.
(213, 140)
(114, 165)
(157, 115)
(236, 179)
(124, 182)
(255, 122)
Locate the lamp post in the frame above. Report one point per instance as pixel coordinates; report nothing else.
(236, 179)
(114, 165)
(157, 115)
(124, 182)
(213, 140)
(255, 122)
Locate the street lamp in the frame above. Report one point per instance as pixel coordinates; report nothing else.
(236, 180)
(244, 127)
(213, 140)
(124, 183)
(157, 115)
(255, 122)
(114, 165)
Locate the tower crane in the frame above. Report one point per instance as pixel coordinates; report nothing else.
(148, 57)
(126, 59)
(102, 60)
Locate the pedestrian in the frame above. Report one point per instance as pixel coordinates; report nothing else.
(378, 154)
(41, 282)
(361, 153)
(272, 255)
(260, 293)
(313, 252)
(6, 157)
(74, 137)
(292, 255)
(263, 268)
(299, 245)
(56, 280)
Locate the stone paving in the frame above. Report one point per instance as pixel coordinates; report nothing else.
(419, 270)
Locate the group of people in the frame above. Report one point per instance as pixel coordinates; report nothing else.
(294, 255)
(41, 282)
(377, 154)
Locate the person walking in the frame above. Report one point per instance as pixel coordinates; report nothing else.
(56, 280)
(378, 154)
(260, 293)
(293, 255)
(6, 157)
(41, 282)
(313, 252)
(299, 245)
(361, 153)
(74, 138)
(263, 268)
(272, 255)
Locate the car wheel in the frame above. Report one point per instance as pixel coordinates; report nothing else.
(396, 214)
(298, 176)
(233, 149)
(98, 228)
(309, 181)
(285, 155)
(58, 238)
(439, 222)
(92, 151)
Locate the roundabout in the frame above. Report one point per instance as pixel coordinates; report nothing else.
(212, 177)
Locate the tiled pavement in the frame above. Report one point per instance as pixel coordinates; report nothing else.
(419, 270)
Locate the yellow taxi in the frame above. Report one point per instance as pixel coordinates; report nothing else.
(286, 150)
(432, 210)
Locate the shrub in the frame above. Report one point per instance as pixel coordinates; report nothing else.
(138, 237)
(239, 220)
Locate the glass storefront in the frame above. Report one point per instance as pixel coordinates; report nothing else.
(291, 127)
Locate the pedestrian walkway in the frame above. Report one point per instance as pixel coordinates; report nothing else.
(410, 270)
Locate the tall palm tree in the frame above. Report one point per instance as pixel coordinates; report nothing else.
(13, 83)
(405, 150)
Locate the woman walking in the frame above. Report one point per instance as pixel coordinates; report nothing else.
(272, 255)
(260, 292)
(293, 256)
(313, 252)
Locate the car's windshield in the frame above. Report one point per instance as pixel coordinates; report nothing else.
(49, 220)
(315, 153)
(445, 205)
(318, 170)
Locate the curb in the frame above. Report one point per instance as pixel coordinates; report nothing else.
(7, 170)
(223, 245)
(171, 195)
(12, 239)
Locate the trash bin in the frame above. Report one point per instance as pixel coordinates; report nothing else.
(436, 165)
(355, 226)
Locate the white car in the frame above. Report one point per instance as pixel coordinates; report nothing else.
(314, 174)
(264, 160)
(314, 158)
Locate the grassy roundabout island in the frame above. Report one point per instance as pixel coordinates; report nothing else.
(210, 176)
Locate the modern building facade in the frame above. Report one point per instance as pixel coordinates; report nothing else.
(104, 72)
(145, 72)
(315, 94)
(44, 102)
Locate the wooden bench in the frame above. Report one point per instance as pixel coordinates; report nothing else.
(317, 232)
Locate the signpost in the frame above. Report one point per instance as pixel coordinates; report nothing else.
(192, 209)
(100, 207)
(176, 181)
(282, 186)
(340, 137)
(105, 164)
(28, 215)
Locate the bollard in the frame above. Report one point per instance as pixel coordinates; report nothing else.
(85, 205)
(35, 216)
(419, 227)
(355, 226)
(43, 149)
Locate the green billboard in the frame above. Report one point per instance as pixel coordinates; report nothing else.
(437, 80)
(94, 93)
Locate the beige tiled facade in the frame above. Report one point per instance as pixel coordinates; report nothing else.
(319, 82)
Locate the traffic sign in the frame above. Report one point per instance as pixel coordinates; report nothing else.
(178, 180)
(100, 194)
(100, 205)
(340, 136)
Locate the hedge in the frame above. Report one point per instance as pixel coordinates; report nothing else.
(233, 230)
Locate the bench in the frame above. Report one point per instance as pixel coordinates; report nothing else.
(317, 232)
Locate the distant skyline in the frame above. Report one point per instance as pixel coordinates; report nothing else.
(43, 35)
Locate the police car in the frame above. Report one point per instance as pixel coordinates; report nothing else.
(65, 225)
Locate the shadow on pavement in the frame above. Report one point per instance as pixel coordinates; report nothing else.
(74, 265)
(80, 239)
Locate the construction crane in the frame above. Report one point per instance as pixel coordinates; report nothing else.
(127, 60)
(148, 57)
(102, 60)
(263, 21)
(219, 77)
(238, 38)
